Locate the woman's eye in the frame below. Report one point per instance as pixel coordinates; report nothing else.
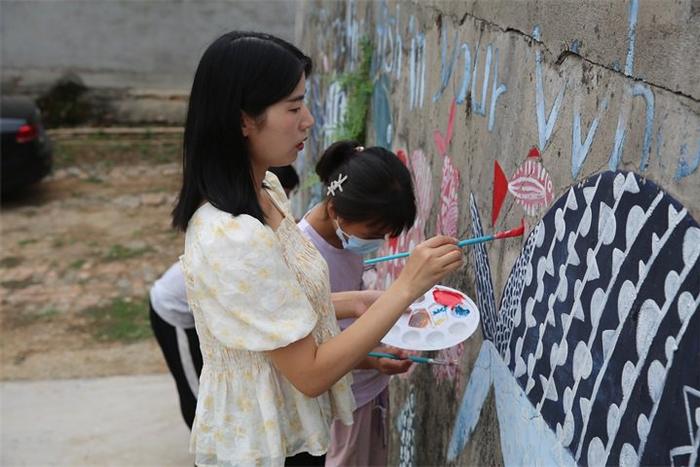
(296, 110)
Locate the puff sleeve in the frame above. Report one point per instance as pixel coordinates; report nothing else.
(239, 281)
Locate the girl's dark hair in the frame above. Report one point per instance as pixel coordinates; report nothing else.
(239, 72)
(287, 175)
(378, 188)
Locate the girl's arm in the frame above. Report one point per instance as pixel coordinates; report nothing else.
(313, 368)
(353, 303)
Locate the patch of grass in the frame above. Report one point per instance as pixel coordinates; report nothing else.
(120, 252)
(28, 241)
(123, 320)
(17, 285)
(11, 261)
(77, 264)
(359, 87)
(111, 149)
(58, 242)
(94, 179)
(25, 318)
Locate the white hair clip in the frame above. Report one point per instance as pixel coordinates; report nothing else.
(359, 148)
(336, 185)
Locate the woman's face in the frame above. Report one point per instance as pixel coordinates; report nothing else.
(275, 138)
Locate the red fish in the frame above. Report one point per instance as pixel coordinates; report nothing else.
(531, 185)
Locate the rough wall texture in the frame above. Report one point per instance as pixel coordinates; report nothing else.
(584, 118)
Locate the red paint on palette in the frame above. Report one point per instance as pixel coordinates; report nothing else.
(447, 297)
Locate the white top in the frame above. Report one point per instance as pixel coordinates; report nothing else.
(169, 298)
(253, 289)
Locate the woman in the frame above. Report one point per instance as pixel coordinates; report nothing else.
(275, 365)
(173, 324)
(376, 201)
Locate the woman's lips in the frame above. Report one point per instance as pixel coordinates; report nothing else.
(300, 146)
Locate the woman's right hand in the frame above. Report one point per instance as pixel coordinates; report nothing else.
(429, 262)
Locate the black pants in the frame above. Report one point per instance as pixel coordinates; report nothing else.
(305, 459)
(167, 337)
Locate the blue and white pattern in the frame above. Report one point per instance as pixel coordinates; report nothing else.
(598, 326)
(404, 424)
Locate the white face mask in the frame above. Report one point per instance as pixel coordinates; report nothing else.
(360, 246)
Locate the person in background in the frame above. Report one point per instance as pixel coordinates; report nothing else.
(372, 200)
(173, 324)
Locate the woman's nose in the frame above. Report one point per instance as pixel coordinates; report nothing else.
(308, 120)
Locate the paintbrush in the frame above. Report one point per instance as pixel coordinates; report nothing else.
(413, 358)
(517, 232)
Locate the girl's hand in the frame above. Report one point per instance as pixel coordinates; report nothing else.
(389, 366)
(429, 262)
(364, 300)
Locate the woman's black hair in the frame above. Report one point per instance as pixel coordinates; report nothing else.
(378, 188)
(239, 72)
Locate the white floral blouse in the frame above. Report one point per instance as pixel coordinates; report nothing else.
(254, 289)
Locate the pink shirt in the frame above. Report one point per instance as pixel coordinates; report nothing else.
(345, 269)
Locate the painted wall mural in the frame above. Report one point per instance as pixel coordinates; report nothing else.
(587, 337)
(404, 425)
(593, 352)
(531, 186)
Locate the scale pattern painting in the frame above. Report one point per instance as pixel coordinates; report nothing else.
(593, 354)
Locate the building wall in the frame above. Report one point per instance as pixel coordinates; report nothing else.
(582, 117)
(137, 58)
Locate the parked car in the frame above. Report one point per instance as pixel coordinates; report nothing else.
(25, 151)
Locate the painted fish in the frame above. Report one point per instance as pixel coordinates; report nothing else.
(531, 185)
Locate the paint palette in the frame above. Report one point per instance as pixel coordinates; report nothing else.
(441, 318)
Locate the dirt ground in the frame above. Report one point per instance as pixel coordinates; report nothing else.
(78, 254)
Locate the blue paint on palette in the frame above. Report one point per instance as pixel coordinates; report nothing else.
(439, 311)
(462, 312)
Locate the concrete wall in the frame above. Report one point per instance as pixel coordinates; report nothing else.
(464, 92)
(149, 49)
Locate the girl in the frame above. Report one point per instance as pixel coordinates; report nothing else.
(275, 363)
(376, 201)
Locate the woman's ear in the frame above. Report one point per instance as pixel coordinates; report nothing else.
(330, 209)
(247, 124)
